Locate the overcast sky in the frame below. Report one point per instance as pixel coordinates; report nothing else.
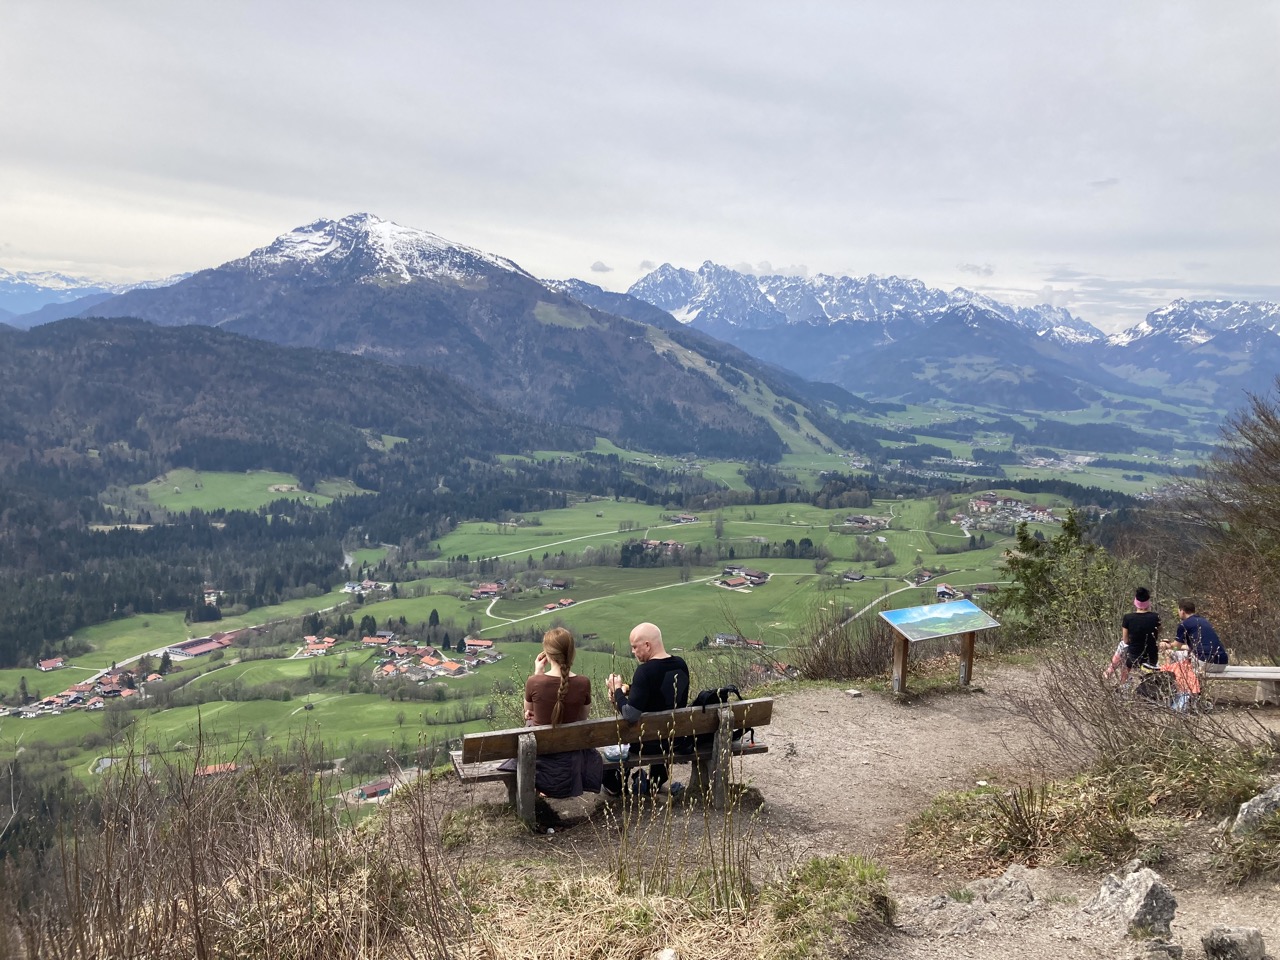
(1107, 157)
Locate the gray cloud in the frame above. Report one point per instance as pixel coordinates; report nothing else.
(930, 158)
(978, 270)
(601, 267)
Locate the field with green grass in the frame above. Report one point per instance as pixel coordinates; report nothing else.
(685, 601)
(184, 489)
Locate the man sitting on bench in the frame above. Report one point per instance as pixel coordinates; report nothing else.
(1198, 637)
(660, 682)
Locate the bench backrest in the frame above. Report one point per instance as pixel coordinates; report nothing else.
(684, 722)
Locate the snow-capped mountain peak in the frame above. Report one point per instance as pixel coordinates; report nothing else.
(719, 296)
(379, 248)
(23, 292)
(1193, 322)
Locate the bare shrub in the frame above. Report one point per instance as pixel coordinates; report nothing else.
(172, 863)
(833, 646)
(1085, 719)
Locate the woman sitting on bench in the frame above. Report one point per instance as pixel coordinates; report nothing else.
(555, 694)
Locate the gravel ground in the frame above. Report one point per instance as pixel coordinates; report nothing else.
(844, 774)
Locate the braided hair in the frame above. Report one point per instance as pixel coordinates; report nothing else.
(557, 643)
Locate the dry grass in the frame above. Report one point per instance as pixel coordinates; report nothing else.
(544, 915)
(171, 865)
(1125, 759)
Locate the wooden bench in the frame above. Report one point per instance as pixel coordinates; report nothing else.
(1267, 678)
(482, 753)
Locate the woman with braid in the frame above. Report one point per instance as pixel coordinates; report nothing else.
(555, 694)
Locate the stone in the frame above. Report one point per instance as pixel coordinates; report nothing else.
(1160, 950)
(1012, 886)
(1140, 904)
(1234, 943)
(1252, 812)
(853, 693)
(666, 953)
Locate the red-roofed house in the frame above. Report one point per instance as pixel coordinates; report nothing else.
(57, 663)
(371, 791)
(216, 769)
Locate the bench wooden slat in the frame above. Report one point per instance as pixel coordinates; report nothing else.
(1244, 672)
(486, 771)
(686, 721)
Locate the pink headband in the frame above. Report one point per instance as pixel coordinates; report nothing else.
(1142, 604)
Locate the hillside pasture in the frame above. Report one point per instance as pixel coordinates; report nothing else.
(182, 490)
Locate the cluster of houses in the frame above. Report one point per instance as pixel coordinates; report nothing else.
(488, 591)
(560, 604)
(669, 547)
(422, 662)
(990, 508)
(944, 591)
(116, 683)
(736, 577)
(364, 586)
(862, 523)
(734, 640)
(313, 646)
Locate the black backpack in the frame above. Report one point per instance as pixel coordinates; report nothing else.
(712, 700)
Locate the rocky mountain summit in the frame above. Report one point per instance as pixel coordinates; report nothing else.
(367, 286)
(715, 296)
(897, 337)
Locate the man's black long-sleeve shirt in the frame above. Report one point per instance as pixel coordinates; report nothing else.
(658, 684)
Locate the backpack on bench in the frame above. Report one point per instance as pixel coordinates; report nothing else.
(713, 700)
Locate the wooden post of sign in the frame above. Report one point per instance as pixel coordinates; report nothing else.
(900, 643)
(966, 657)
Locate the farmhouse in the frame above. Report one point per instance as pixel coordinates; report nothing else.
(734, 640)
(475, 643)
(57, 663)
(217, 770)
(201, 645)
(371, 791)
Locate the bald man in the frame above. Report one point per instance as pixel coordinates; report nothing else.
(660, 682)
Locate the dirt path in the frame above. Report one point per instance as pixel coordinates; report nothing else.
(844, 774)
